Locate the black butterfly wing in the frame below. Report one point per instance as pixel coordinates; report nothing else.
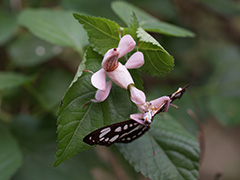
(134, 133)
(122, 132)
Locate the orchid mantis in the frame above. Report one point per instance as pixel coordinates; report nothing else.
(117, 72)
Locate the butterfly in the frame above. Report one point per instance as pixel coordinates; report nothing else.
(129, 130)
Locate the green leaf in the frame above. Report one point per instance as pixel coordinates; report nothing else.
(12, 79)
(38, 144)
(50, 90)
(176, 152)
(57, 27)
(136, 78)
(93, 7)
(41, 163)
(10, 155)
(103, 33)
(8, 24)
(224, 7)
(132, 27)
(75, 120)
(148, 22)
(224, 84)
(27, 51)
(225, 108)
(162, 8)
(157, 60)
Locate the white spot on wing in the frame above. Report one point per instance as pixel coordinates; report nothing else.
(130, 125)
(106, 139)
(101, 139)
(128, 138)
(136, 128)
(90, 137)
(106, 129)
(114, 138)
(118, 129)
(104, 132)
(125, 127)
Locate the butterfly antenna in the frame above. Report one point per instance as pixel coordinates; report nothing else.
(151, 143)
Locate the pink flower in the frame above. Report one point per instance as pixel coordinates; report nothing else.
(117, 72)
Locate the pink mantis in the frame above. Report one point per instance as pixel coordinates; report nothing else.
(139, 123)
(119, 74)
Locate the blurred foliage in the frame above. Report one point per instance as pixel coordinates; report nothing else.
(8, 25)
(60, 29)
(27, 50)
(148, 22)
(11, 157)
(36, 70)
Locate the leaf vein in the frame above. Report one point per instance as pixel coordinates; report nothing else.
(170, 160)
(75, 131)
(86, 22)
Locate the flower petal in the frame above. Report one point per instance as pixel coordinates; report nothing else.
(135, 61)
(159, 102)
(102, 95)
(121, 76)
(98, 79)
(126, 45)
(137, 96)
